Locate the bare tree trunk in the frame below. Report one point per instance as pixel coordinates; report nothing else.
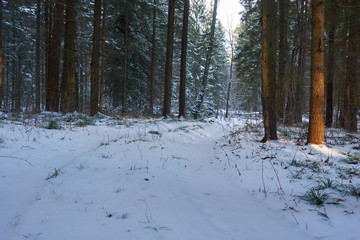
(351, 117)
(37, 57)
(200, 98)
(152, 66)
(330, 62)
(103, 38)
(52, 96)
(1, 79)
(68, 83)
(169, 59)
(282, 59)
(184, 45)
(94, 76)
(268, 68)
(316, 123)
(126, 53)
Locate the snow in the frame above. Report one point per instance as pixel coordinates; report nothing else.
(166, 179)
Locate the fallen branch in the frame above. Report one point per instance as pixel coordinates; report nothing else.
(25, 160)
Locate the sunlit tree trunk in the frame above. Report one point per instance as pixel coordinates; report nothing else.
(94, 75)
(268, 65)
(316, 123)
(184, 44)
(169, 59)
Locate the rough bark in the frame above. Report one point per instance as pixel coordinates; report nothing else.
(316, 123)
(1, 79)
(282, 59)
(124, 103)
(330, 65)
(184, 45)
(52, 82)
(68, 83)
(351, 117)
(200, 98)
(152, 65)
(169, 59)
(103, 39)
(94, 75)
(268, 69)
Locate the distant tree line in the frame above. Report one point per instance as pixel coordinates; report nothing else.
(110, 56)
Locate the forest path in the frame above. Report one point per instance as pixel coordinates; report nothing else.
(159, 180)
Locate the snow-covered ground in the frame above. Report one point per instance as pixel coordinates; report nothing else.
(158, 179)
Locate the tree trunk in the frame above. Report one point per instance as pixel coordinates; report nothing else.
(152, 66)
(268, 68)
(52, 88)
(94, 76)
(37, 57)
(126, 52)
(47, 39)
(184, 45)
(169, 59)
(68, 83)
(282, 60)
(1, 79)
(200, 98)
(330, 65)
(103, 38)
(351, 117)
(316, 123)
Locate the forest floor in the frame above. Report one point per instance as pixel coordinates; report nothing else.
(75, 177)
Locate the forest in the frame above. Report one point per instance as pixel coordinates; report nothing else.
(158, 119)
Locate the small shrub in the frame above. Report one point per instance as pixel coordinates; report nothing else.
(53, 124)
(155, 132)
(315, 197)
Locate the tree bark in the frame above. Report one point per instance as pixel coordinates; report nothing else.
(282, 60)
(103, 39)
(351, 117)
(37, 57)
(68, 83)
(330, 65)
(200, 98)
(1, 79)
(124, 103)
(316, 123)
(52, 88)
(184, 45)
(268, 68)
(152, 65)
(94, 76)
(169, 59)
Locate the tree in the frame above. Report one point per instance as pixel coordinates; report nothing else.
(152, 65)
(353, 46)
(102, 67)
(94, 76)
(268, 64)
(169, 59)
(200, 97)
(184, 45)
(330, 65)
(316, 122)
(52, 83)
(1, 79)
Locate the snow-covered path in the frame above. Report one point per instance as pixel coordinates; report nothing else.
(162, 180)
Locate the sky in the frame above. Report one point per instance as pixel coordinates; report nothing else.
(228, 11)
